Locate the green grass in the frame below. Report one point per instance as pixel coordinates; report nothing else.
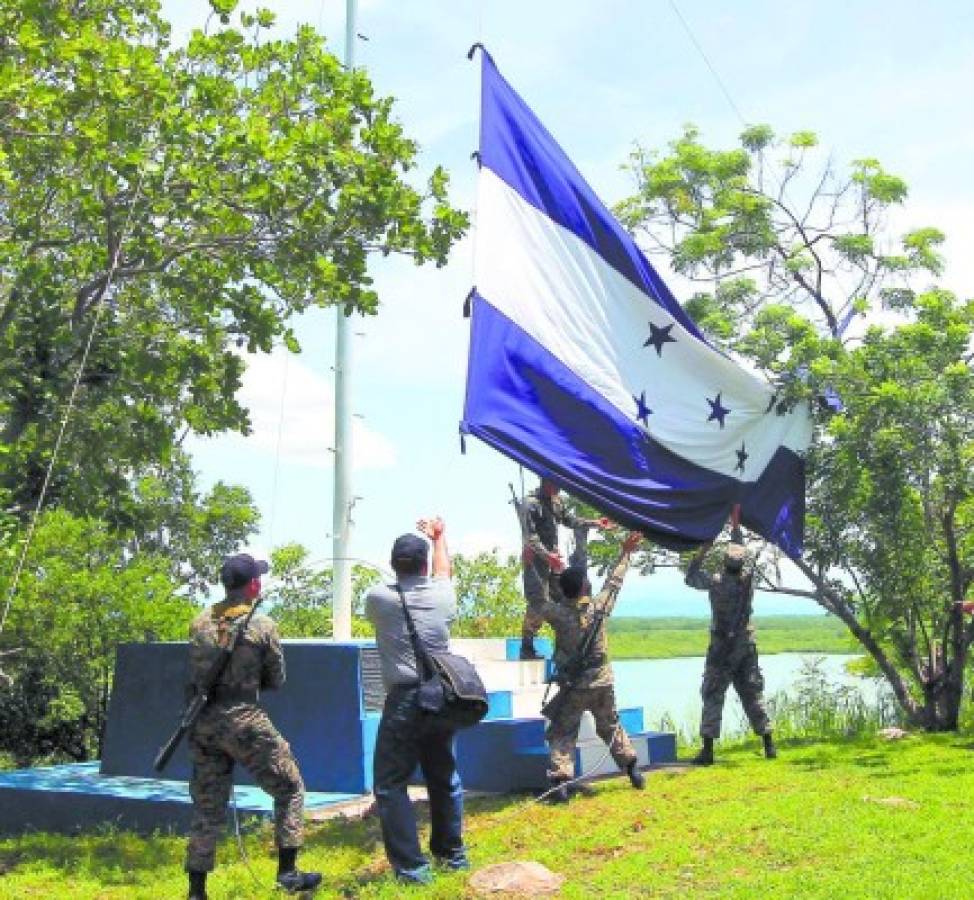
(810, 824)
(642, 638)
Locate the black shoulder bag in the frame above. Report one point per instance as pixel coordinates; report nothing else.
(449, 687)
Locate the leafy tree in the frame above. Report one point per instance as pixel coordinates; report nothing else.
(168, 204)
(167, 514)
(799, 272)
(489, 598)
(80, 596)
(299, 595)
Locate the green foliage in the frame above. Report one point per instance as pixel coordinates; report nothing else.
(221, 188)
(817, 708)
(299, 595)
(168, 515)
(669, 637)
(489, 597)
(80, 596)
(791, 253)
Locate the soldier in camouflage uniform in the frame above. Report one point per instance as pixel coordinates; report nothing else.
(594, 690)
(732, 657)
(543, 511)
(233, 729)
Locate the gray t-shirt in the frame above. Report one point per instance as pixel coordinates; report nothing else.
(432, 605)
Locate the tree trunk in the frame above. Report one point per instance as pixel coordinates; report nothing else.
(835, 604)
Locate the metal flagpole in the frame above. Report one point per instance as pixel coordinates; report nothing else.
(342, 508)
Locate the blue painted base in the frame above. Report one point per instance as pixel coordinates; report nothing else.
(70, 798)
(662, 747)
(511, 754)
(329, 713)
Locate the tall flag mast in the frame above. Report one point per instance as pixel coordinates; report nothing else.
(342, 506)
(584, 368)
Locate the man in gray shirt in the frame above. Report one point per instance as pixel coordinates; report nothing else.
(407, 736)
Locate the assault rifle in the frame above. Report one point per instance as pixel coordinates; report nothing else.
(202, 696)
(567, 676)
(522, 520)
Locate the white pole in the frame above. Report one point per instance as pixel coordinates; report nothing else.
(341, 511)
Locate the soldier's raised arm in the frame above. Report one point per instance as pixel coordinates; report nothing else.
(607, 597)
(696, 577)
(272, 674)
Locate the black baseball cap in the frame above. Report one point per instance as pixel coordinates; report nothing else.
(410, 548)
(241, 569)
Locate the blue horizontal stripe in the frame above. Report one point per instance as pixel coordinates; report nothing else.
(527, 404)
(517, 147)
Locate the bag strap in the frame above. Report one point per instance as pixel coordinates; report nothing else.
(423, 663)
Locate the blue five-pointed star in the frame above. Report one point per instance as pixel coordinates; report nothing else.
(643, 412)
(659, 336)
(717, 410)
(742, 456)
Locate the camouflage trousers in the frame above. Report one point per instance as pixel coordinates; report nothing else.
(542, 585)
(732, 663)
(562, 732)
(239, 734)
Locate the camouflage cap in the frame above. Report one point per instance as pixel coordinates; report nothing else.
(735, 556)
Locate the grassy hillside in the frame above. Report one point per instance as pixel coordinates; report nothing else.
(852, 820)
(640, 638)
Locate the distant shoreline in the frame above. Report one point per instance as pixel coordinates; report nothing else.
(643, 637)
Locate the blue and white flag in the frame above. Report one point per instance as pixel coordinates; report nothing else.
(584, 368)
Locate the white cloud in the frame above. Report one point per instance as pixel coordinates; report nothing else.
(471, 543)
(292, 412)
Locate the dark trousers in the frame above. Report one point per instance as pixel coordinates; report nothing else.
(409, 737)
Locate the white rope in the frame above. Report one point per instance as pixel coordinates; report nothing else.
(709, 64)
(240, 844)
(277, 452)
(99, 308)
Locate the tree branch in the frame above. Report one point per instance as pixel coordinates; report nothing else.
(834, 603)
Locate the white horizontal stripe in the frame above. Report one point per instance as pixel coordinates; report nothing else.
(595, 321)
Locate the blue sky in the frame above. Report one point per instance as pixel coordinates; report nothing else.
(887, 80)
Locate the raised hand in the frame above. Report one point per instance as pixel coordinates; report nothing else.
(433, 527)
(556, 562)
(632, 541)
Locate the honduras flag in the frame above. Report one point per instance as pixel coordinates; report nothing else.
(584, 368)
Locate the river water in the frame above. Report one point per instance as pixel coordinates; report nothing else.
(671, 687)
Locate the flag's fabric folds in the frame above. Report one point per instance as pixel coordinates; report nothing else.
(584, 367)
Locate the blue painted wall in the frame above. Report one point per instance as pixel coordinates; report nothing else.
(319, 712)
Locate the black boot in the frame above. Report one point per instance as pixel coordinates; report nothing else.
(581, 789)
(636, 778)
(288, 876)
(197, 885)
(527, 649)
(770, 751)
(557, 792)
(706, 755)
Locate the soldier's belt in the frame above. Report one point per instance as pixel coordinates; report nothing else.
(225, 694)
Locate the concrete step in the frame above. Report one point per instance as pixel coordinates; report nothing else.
(592, 756)
(498, 675)
(479, 650)
(526, 701)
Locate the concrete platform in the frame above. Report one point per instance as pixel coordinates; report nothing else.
(329, 712)
(74, 797)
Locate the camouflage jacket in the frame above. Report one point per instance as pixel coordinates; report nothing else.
(542, 516)
(731, 598)
(571, 618)
(257, 662)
